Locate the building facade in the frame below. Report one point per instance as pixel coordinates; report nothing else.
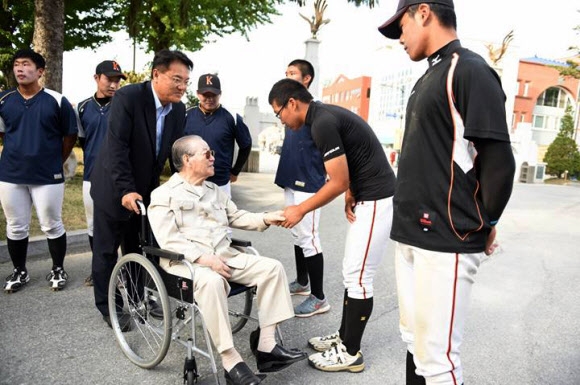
(542, 97)
(352, 94)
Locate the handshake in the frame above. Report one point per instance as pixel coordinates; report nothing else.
(274, 218)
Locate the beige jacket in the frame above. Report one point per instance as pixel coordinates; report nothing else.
(192, 223)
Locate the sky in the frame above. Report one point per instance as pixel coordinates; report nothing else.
(348, 44)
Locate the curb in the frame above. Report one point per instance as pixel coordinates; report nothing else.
(77, 242)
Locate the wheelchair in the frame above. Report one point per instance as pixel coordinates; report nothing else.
(142, 288)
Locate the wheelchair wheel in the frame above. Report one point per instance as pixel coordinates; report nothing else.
(240, 308)
(136, 288)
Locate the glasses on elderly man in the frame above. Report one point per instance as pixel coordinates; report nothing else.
(208, 153)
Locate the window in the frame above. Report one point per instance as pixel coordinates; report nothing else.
(553, 97)
(526, 88)
(523, 117)
(538, 121)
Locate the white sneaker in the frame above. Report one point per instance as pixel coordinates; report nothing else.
(322, 344)
(57, 278)
(337, 359)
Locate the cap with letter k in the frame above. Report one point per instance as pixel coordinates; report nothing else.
(209, 83)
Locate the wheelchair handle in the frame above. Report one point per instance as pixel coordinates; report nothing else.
(142, 209)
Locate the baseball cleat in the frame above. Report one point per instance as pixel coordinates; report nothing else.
(16, 281)
(57, 278)
(337, 359)
(322, 344)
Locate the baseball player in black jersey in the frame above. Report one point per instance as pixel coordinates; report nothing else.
(454, 180)
(357, 166)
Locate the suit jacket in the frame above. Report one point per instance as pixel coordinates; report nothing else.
(197, 222)
(127, 161)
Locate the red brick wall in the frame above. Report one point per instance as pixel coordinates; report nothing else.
(540, 78)
(338, 94)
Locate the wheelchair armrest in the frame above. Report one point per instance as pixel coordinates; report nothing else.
(240, 243)
(157, 252)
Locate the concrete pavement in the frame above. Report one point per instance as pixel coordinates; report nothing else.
(522, 327)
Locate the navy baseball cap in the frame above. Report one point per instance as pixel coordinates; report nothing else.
(110, 68)
(391, 29)
(209, 83)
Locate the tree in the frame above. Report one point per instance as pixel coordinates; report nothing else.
(563, 154)
(48, 39)
(180, 24)
(87, 24)
(189, 24)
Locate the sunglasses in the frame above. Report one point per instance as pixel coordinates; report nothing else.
(208, 153)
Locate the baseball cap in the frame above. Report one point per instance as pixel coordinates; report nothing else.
(391, 29)
(110, 68)
(209, 83)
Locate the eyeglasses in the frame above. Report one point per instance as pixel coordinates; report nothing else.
(177, 81)
(281, 108)
(208, 153)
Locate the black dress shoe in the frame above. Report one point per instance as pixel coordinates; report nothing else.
(254, 340)
(155, 310)
(278, 358)
(124, 321)
(241, 374)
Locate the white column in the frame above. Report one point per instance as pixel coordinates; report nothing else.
(312, 56)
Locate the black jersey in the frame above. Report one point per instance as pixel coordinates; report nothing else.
(337, 131)
(437, 204)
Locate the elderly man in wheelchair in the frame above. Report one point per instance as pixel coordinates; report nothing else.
(193, 217)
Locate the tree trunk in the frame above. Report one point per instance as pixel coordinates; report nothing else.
(48, 39)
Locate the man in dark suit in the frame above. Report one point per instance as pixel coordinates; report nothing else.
(144, 121)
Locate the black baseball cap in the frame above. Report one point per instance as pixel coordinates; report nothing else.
(110, 68)
(391, 29)
(209, 83)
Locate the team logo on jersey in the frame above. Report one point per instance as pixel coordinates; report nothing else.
(435, 60)
(331, 151)
(425, 221)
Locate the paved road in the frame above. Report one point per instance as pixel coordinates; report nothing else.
(522, 328)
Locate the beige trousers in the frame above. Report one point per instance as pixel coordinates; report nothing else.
(211, 293)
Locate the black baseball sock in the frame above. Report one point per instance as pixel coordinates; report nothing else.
(412, 377)
(17, 250)
(342, 329)
(301, 266)
(316, 274)
(57, 249)
(91, 242)
(359, 312)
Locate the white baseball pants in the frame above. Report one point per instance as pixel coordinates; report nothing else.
(434, 290)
